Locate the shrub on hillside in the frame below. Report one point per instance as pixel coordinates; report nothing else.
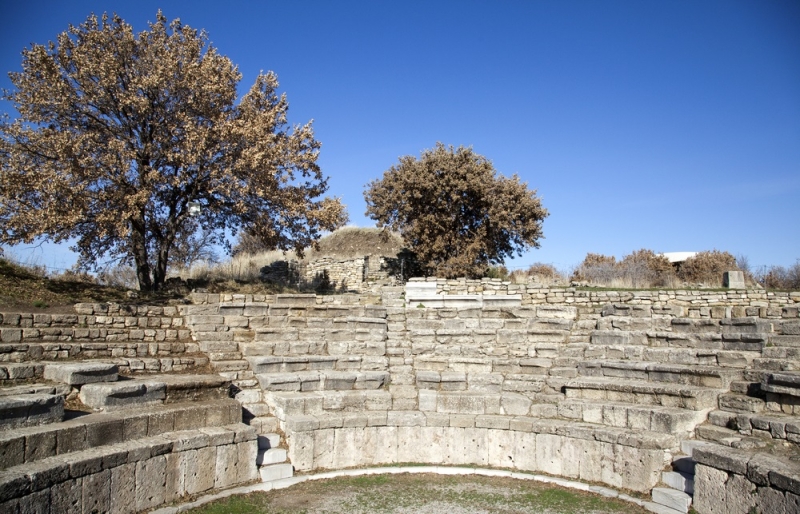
(538, 272)
(707, 268)
(778, 277)
(642, 268)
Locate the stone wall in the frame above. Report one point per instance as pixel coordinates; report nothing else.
(334, 275)
(536, 294)
(137, 338)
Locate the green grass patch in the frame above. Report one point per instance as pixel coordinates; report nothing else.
(420, 493)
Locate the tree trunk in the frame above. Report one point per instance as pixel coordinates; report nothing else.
(139, 248)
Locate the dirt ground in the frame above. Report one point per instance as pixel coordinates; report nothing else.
(421, 493)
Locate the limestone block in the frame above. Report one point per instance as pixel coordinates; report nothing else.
(200, 466)
(524, 453)
(740, 494)
(150, 482)
(710, 490)
(572, 454)
(591, 460)
(500, 448)
(67, 496)
(123, 488)
(81, 373)
(34, 503)
(428, 400)
(772, 500)
(722, 458)
(97, 492)
(117, 395)
(30, 409)
(247, 468)
(514, 404)
(12, 449)
(733, 279)
(679, 481)
(548, 453)
(676, 500)
(348, 442)
(276, 472)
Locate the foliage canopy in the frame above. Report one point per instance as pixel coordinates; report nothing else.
(119, 134)
(455, 212)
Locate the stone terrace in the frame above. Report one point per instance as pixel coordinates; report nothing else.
(661, 392)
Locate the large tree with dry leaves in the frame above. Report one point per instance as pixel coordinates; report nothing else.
(119, 134)
(455, 212)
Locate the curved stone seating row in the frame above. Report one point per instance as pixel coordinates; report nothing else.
(30, 444)
(615, 456)
(322, 380)
(285, 405)
(10, 372)
(688, 374)
(133, 476)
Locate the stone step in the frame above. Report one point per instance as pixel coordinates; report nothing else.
(264, 424)
(766, 425)
(286, 404)
(673, 355)
(35, 388)
(131, 360)
(230, 365)
(677, 501)
(323, 380)
(766, 364)
(747, 387)
(678, 480)
(268, 441)
(25, 445)
(267, 457)
(393, 418)
(655, 418)
(224, 356)
(781, 352)
(24, 410)
(81, 373)
(275, 472)
(787, 383)
(278, 364)
(727, 437)
(153, 390)
(790, 341)
(736, 402)
(705, 376)
(641, 392)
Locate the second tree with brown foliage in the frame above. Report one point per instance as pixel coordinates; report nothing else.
(455, 211)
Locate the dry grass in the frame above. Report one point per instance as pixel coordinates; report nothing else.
(352, 242)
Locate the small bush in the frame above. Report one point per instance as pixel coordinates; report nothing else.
(500, 272)
(538, 272)
(707, 268)
(75, 275)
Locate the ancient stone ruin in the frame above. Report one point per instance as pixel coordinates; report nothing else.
(688, 397)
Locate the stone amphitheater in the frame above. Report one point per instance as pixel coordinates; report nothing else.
(670, 398)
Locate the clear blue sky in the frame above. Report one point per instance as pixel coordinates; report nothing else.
(670, 125)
